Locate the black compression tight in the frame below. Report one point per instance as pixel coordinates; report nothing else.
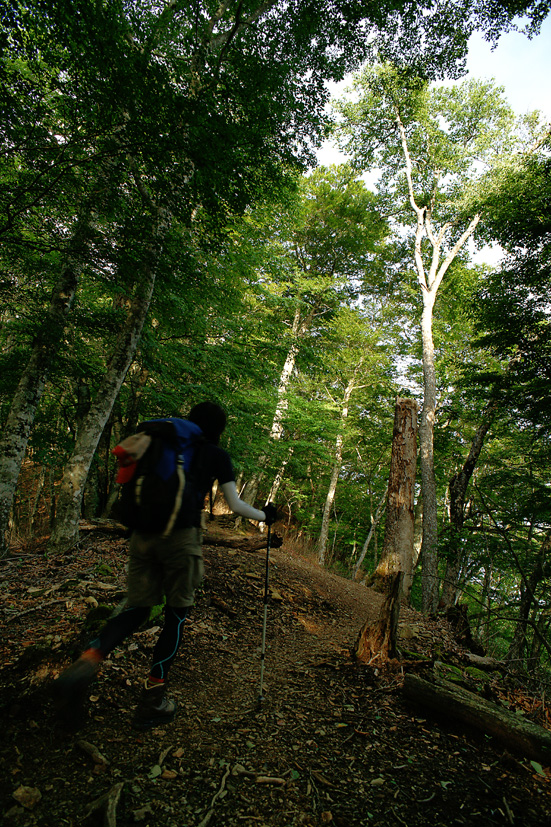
(119, 627)
(169, 641)
(123, 624)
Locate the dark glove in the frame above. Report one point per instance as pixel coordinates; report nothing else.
(270, 513)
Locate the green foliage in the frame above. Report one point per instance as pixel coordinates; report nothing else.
(452, 133)
(113, 113)
(513, 303)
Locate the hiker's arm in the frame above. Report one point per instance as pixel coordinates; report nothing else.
(238, 506)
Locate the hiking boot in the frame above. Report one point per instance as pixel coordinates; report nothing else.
(71, 688)
(154, 709)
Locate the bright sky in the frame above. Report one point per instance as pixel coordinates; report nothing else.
(521, 66)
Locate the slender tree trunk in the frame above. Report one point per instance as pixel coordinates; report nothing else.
(426, 437)
(278, 479)
(527, 597)
(416, 551)
(542, 625)
(337, 465)
(487, 604)
(299, 328)
(65, 528)
(398, 542)
(33, 516)
(458, 489)
(17, 428)
(374, 523)
(329, 500)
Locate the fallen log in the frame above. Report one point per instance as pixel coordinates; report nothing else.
(211, 538)
(490, 664)
(514, 731)
(105, 525)
(249, 544)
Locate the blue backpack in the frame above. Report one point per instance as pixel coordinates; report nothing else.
(160, 476)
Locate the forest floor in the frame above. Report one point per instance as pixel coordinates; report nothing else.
(330, 743)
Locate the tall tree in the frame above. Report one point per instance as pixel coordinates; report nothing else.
(512, 304)
(512, 312)
(431, 145)
(457, 495)
(166, 93)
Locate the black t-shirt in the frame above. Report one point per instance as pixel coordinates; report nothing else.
(210, 463)
(215, 465)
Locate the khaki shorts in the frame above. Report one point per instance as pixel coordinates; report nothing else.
(171, 566)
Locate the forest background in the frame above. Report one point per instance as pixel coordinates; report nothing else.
(164, 240)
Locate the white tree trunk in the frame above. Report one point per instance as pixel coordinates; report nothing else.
(374, 523)
(337, 465)
(429, 558)
(429, 283)
(298, 330)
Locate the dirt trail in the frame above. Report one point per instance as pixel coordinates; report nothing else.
(330, 744)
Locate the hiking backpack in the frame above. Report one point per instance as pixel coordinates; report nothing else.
(159, 476)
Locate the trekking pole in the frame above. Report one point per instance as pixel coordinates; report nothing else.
(263, 650)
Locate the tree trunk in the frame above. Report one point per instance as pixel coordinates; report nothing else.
(397, 553)
(485, 616)
(376, 642)
(17, 428)
(542, 625)
(34, 515)
(527, 599)
(65, 529)
(429, 282)
(337, 465)
(278, 479)
(429, 559)
(458, 489)
(356, 574)
(299, 328)
(416, 551)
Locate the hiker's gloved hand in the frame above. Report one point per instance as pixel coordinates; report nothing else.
(270, 513)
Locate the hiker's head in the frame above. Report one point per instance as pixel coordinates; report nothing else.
(210, 418)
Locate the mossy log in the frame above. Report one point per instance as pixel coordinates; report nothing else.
(514, 731)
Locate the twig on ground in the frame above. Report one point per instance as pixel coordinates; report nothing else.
(397, 817)
(107, 803)
(217, 795)
(508, 812)
(37, 608)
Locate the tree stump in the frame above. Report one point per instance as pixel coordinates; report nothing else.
(377, 641)
(397, 554)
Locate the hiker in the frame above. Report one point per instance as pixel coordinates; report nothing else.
(159, 566)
